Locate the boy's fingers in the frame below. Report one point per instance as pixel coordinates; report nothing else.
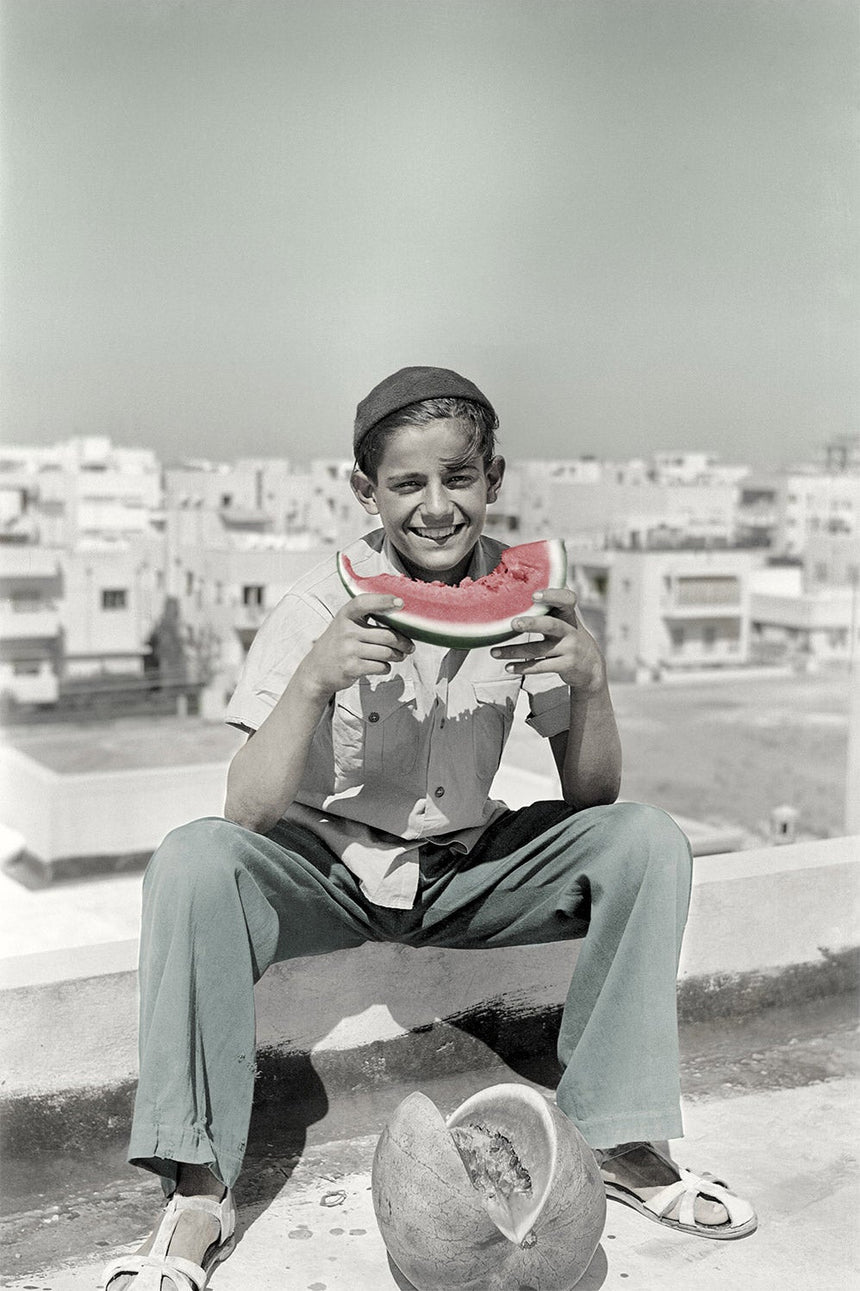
(364, 607)
(548, 624)
(380, 653)
(545, 624)
(525, 650)
(371, 603)
(384, 636)
(560, 598)
(542, 664)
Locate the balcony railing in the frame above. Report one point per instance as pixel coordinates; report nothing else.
(21, 619)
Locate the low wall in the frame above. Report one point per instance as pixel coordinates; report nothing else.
(765, 926)
(103, 813)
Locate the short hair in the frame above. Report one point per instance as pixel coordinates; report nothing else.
(481, 421)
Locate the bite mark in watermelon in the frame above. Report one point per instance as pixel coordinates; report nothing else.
(474, 612)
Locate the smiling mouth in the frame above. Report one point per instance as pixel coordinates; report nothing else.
(439, 533)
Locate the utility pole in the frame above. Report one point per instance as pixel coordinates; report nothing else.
(852, 778)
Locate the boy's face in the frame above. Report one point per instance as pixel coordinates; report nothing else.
(431, 497)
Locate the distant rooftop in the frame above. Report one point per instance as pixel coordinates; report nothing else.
(126, 744)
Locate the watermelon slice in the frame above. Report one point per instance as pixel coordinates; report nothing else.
(475, 612)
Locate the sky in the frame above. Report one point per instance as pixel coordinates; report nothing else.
(631, 222)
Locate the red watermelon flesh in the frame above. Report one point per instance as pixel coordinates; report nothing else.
(474, 612)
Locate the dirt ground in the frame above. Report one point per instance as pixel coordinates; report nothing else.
(728, 752)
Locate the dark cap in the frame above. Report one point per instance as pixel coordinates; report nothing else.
(412, 385)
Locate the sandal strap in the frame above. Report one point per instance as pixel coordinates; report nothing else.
(184, 1274)
(691, 1186)
(139, 1265)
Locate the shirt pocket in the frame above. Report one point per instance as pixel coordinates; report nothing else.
(393, 736)
(374, 731)
(491, 722)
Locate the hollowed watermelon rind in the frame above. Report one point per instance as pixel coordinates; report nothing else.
(463, 634)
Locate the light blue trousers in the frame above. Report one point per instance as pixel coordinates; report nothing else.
(222, 903)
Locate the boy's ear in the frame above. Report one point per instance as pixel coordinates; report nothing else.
(495, 473)
(365, 490)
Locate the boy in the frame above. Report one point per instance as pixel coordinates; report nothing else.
(359, 809)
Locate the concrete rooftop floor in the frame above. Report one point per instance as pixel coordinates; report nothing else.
(307, 1223)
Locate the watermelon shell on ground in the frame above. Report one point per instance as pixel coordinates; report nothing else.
(438, 1224)
(474, 612)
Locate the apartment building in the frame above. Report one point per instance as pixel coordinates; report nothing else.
(31, 588)
(817, 503)
(664, 612)
(641, 515)
(224, 597)
(113, 594)
(84, 488)
(694, 468)
(786, 510)
(809, 613)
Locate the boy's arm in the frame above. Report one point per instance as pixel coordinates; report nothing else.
(266, 772)
(588, 754)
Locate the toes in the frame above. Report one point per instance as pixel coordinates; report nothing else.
(710, 1212)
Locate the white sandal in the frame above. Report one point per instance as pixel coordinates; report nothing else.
(742, 1219)
(183, 1275)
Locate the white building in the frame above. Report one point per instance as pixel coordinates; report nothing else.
(31, 586)
(640, 515)
(684, 467)
(83, 488)
(809, 613)
(224, 597)
(112, 597)
(817, 503)
(659, 612)
(786, 510)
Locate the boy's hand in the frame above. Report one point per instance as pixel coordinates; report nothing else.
(567, 648)
(353, 647)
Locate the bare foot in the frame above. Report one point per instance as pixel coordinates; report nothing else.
(195, 1233)
(644, 1171)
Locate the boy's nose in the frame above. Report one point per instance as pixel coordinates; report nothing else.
(436, 502)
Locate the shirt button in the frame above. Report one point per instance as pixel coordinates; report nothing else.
(439, 793)
(373, 717)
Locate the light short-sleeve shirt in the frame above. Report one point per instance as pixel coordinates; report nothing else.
(402, 759)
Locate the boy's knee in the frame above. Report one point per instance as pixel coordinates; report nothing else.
(643, 821)
(200, 851)
(647, 836)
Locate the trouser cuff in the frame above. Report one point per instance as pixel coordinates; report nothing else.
(163, 1150)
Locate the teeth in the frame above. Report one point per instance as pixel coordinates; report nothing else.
(438, 533)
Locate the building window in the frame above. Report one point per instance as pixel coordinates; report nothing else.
(254, 594)
(189, 582)
(677, 635)
(26, 668)
(709, 637)
(719, 589)
(114, 598)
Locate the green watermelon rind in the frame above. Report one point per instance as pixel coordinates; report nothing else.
(466, 636)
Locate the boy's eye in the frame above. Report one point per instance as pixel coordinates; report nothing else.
(461, 481)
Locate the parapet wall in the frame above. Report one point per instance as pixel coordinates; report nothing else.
(765, 926)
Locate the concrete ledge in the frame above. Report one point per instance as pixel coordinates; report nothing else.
(766, 926)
